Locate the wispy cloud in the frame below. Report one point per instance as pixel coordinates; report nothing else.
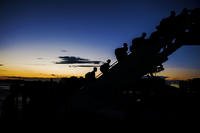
(53, 74)
(75, 60)
(13, 77)
(63, 50)
(84, 66)
(38, 64)
(40, 58)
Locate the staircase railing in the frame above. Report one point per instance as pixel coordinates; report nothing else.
(100, 74)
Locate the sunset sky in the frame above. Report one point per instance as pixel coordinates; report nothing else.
(55, 38)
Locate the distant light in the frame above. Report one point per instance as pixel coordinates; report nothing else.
(130, 92)
(124, 92)
(138, 100)
(175, 85)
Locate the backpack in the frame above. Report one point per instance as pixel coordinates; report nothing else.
(104, 68)
(118, 51)
(87, 75)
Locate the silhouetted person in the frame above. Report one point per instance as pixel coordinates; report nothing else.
(138, 43)
(166, 23)
(121, 53)
(195, 21)
(156, 42)
(182, 23)
(105, 67)
(90, 76)
(167, 27)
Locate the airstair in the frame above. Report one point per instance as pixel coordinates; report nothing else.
(105, 92)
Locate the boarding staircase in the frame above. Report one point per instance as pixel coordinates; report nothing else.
(135, 67)
(94, 96)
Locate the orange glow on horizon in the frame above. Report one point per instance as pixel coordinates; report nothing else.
(45, 72)
(171, 73)
(180, 73)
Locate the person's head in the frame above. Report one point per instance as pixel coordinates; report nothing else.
(108, 61)
(172, 13)
(125, 45)
(94, 69)
(144, 34)
(185, 11)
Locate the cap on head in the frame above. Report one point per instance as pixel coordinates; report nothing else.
(173, 13)
(108, 61)
(144, 34)
(125, 45)
(185, 11)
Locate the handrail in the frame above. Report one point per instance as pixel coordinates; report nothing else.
(99, 75)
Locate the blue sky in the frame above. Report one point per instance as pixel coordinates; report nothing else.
(90, 29)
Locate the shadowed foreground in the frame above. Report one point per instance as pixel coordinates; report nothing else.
(129, 91)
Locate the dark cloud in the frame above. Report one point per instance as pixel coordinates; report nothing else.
(84, 66)
(63, 50)
(1, 64)
(14, 77)
(38, 64)
(75, 60)
(40, 58)
(164, 77)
